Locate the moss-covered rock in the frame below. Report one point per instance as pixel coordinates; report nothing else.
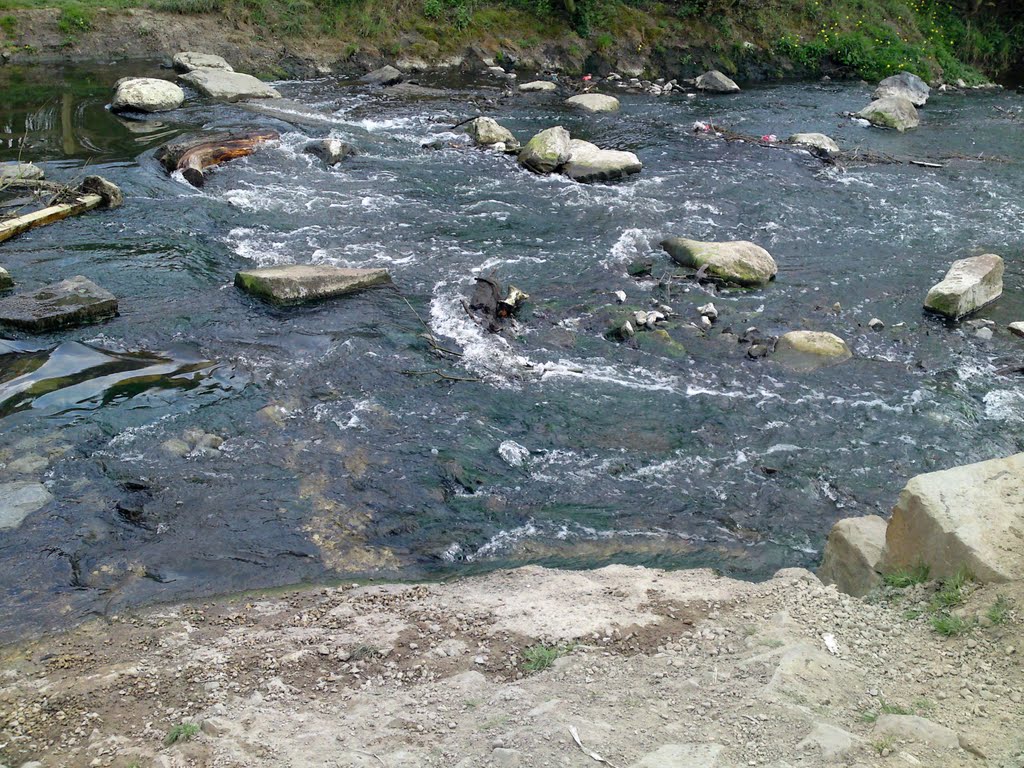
(893, 112)
(740, 262)
(546, 152)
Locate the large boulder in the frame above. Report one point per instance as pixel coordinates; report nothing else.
(146, 94)
(486, 132)
(19, 500)
(71, 302)
(739, 262)
(229, 86)
(302, 283)
(967, 517)
(806, 350)
(588, 163)
(853, 554)
(905, 85)
(186, 61)
(593, 102)
(547, 151)
(891, 112)
(968, 285)
(815, 141)
(386, 75)
(14, 171)
(538, 86)
(715, 82)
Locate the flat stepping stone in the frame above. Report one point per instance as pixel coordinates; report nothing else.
(304, 283)
(72, 302)
(538, 86)
(740, 262)
(228, 86)
(594, 102)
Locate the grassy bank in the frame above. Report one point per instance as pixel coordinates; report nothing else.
(865, 38)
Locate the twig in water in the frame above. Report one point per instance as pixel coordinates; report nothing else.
(429, 336)
(441, 375)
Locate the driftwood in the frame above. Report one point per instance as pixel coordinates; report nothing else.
(94, 192)
(192, 156)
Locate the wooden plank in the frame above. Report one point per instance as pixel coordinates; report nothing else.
(11, 227)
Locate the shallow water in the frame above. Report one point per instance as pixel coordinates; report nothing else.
(671, 454)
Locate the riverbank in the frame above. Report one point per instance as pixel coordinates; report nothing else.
(650, 668)
(284, 38)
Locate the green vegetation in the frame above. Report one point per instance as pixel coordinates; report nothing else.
(8, 24)
(74, 18)
(999, 611)
(951, 593)
(903, 578)
(948, 625)
(540, 657)
(181, 732)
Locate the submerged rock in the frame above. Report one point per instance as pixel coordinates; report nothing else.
(1017, 329)
(594, 102)
(546, 152)
(229, 86)
(19, 500)
(891, 112)
(716, 82)
(538, 86)
(740, 262)
(331, 151)
(806, 350)
(6, 281)
(486, 132)
(386, 75)
(966, 517)
(302, 283)
(816, 141)
(968, 285)
(588, 163)
(853, 554)
(904, 85)
(146, 94)
(186, 61)
(71, 302)
(14, 170)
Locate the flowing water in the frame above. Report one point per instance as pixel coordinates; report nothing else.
(344, 456)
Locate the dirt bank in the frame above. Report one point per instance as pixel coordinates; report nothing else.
(654, 669)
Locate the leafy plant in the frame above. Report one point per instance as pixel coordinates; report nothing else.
(181, 732)
(948, 625)
(540, 657)
(74, 18)
(903, 578)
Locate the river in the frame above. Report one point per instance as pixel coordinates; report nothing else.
(343, 458)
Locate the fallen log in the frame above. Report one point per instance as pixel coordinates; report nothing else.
(94, 192)
(194, 155)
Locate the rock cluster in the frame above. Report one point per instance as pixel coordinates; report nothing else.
(554, 150)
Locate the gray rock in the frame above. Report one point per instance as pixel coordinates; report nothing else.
(538, 86)
(966, 517)
(110, 192)
(15, 170)
(682, 756)
(875, 324)
(985, 334)
(331, 151)
(969, 285)
(716, 82)
(905, 85)
(506, 758)
(891, 112)
(146, 94)
(176, 447)
(29, 464)
(19, 500)
(830, 741)
(853, 555)
(739, 262)
(301, 283)
(815, 140)
(594, 102)
(1017, 329)
(486, 132)
(806, 350)
(6, 281)
(386, 75)
(229, 86)
(187, 61)
(589, 163)
(917, 729)
(547, 151)
(71, 302)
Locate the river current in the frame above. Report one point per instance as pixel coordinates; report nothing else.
(345, 457)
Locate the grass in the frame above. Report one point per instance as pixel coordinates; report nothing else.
(181, 732)
(74, 18)
(539, 657)
(999, 611)
(948, 625)
(951, 593)
(903, 578)
(883, 745)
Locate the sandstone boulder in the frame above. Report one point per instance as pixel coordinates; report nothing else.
(739, 262)
(891, 112)
(547, 151)
(146, 94)
(589, 163)
(715, 82)
(816, 141)
(486, 132)
(806, 350)
(594, 102)
(186, 61)
(905, 85)
(302, 283)
(853, 554)
(967, 517)
(968, 285)
(538, 86)
(229, 86)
